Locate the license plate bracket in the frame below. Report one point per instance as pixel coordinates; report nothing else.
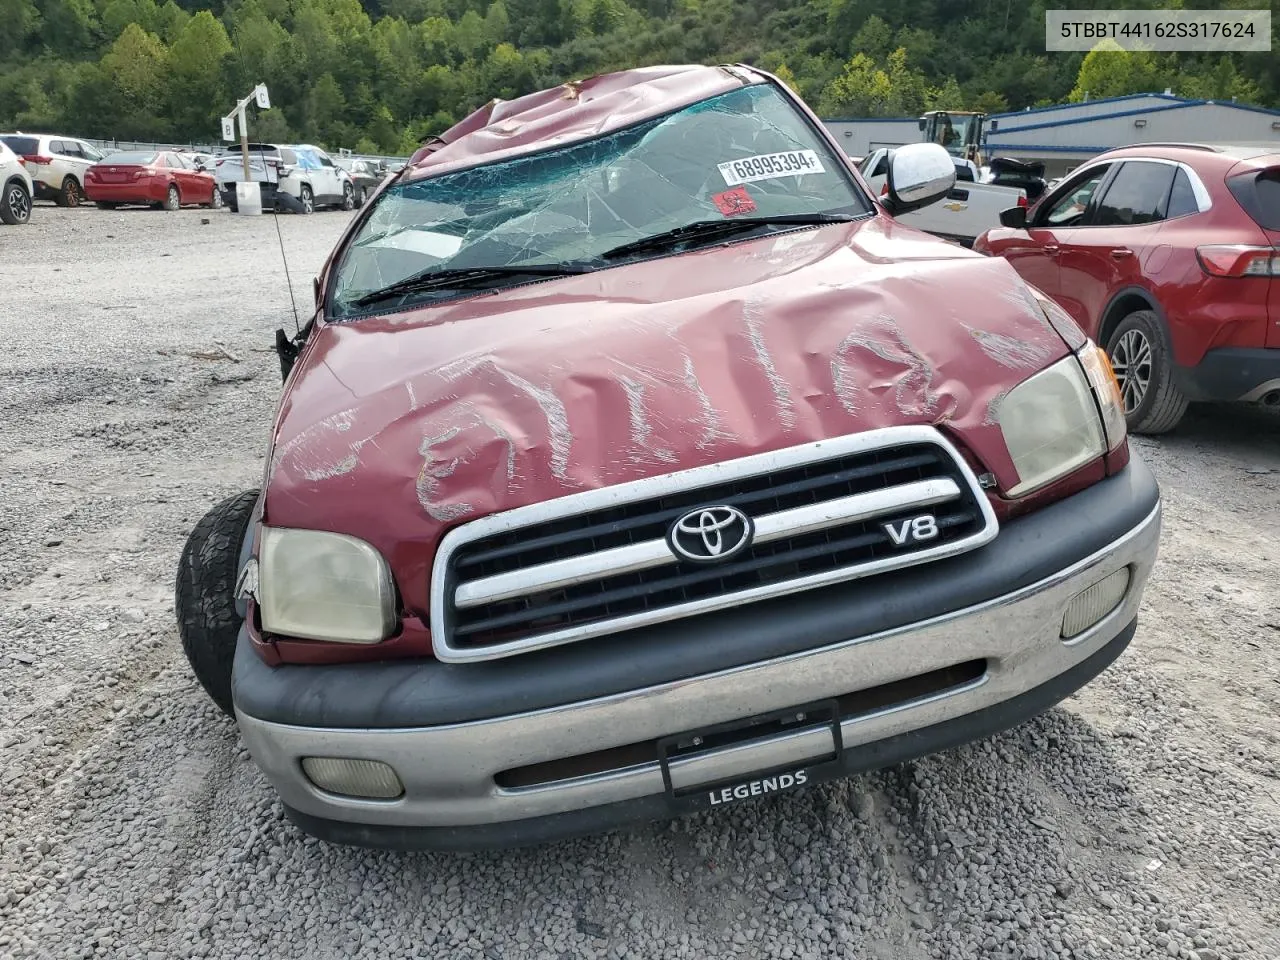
(823, 715)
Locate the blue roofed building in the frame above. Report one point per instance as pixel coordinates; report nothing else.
(1064, 136)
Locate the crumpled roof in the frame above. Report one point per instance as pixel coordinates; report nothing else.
(578, 110)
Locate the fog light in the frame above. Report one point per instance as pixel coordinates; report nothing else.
(353, 778)
(1089, 606)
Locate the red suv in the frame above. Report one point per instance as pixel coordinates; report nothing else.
(1167, 255)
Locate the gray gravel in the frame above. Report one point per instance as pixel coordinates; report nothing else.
(1141, 819)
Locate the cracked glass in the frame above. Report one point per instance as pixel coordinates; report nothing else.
(747, 154)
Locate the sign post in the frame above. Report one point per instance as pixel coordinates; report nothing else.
(259, 96)
(244, 145)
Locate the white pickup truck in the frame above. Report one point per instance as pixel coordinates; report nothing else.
(971, 207)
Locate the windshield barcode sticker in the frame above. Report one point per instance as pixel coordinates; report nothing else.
(793, 163)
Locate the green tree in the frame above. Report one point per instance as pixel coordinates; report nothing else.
(874, 38)
(19, 19)
(197, 96)
(68, 26)
(861, 90)
(170, 20)
(989, 102)
(137, 66)
(783, 73)
(271, 126)
(1110, 71)
(497, 24)
(325, 111)
(949, 96)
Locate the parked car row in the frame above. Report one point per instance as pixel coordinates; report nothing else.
(296, 177)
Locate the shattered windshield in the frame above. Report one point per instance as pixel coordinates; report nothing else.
(744, 154)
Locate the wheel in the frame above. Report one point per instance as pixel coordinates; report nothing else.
(15, 203)
(69, 195)
(360, 197)
(307, 200)
(204, 597)
(1143, 361)
(173, 199)
(215, 201)
(348, 197)
(107, 204)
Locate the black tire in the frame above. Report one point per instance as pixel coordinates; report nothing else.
(173, 199)
(348, 197)
(360, 198)
(1143, 360)
(70, 195)
(307, 199)
(15, 203)
(204, 597)
(107, 205)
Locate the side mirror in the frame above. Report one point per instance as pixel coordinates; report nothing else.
(1015, 217)
(919, 174)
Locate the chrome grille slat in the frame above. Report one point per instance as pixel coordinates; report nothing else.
(597, 563)
(742, 501)
(699, 575)
(654, 553)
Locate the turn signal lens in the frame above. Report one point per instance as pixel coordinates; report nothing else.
(1106, 388)
(371, 779)
(1022, 200)
(1239, 260)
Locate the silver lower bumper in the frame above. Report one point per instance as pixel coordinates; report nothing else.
(448, 771)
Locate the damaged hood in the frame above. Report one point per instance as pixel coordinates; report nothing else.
(394, 428)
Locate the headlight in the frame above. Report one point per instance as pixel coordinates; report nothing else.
(1050, 425)
(1106, 390)
(324, 586)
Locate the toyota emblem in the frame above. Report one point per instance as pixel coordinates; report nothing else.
(710, 534)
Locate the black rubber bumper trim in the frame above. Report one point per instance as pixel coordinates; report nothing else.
(1229, 373)
(419, 693)
(592, 820)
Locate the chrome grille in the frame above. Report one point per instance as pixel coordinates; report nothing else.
(598, 562)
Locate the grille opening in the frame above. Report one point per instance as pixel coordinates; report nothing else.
(641, 520)
(850, 706)
(594, 601)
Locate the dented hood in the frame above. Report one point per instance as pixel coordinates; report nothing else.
(395, 428)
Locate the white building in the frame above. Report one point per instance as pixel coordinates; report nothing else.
(1065, 136)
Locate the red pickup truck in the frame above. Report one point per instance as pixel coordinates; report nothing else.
(635, 460)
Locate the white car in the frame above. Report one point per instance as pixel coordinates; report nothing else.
(15, 187)
(298, 177)
(56, 164)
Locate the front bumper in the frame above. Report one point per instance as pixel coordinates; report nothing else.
(1232, 373)
(452, 771)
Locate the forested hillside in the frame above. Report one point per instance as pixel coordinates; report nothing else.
(378, 75)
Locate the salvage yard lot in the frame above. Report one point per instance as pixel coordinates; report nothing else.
(137, 384)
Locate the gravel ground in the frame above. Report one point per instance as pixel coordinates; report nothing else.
(1141, 819)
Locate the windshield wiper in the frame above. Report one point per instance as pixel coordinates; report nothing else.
(460, 278)
(714, 229)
